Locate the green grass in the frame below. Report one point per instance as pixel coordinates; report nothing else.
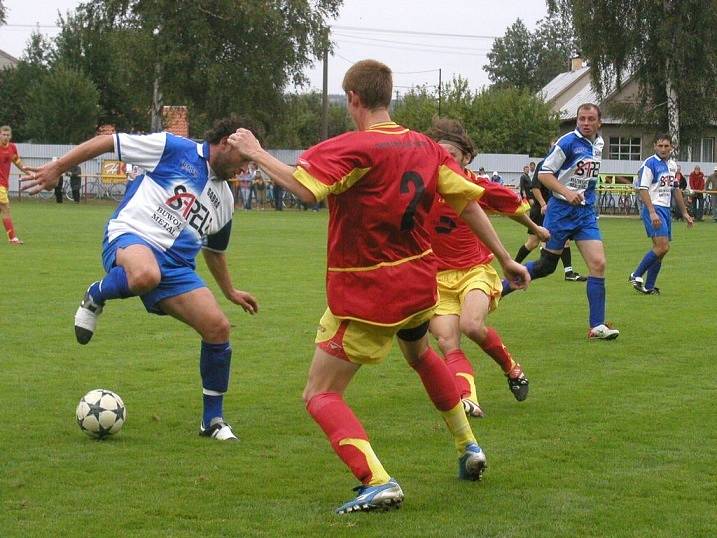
(616, 438)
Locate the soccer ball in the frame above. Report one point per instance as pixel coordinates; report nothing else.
(101, 413)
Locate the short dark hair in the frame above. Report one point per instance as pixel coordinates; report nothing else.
(372, 81)
(452, 131)
(225, 126)
(663, 136)
(588, 106)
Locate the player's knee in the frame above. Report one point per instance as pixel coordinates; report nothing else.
(597, 267)
(217, 330)
(144, 280)
(448, 343)
(473, 329)
(545, 265)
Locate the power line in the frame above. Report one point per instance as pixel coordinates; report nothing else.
(373, 40)
(409, 32)
(436, 51)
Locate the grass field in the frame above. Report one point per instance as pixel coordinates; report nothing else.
(616, 438)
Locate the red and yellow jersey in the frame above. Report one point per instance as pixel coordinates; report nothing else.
(381, 184)
(453, 242)
(8, 154)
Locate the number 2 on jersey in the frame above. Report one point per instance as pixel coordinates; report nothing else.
(410, 177)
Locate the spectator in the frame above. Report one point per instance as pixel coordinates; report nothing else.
(525, 181)
(260, 189)
(697, 186)
(482, 174)
(246, 179)
(680, 183)
(495, 178)
(712, 186)
(75, 174)
(58, 188)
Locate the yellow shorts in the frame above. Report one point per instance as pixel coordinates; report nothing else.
(454, 285)
(359, 342)
(3, 195)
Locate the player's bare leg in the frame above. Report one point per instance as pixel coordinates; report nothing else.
(476, 307)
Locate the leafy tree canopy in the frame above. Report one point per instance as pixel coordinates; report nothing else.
(499, 120)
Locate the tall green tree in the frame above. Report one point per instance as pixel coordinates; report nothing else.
(529, 60)
(668, 46)
(17, 83)
(63, 108)
(500, 120)
(215, 56)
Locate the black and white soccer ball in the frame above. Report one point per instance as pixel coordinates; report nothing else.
(101, 413)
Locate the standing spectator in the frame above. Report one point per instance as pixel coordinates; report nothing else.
(482, 174)
(525, 191)
(711, 185)
(246, 179)
(8, 154)
(531, 168)
(75, 173)
(697, 186)
(260, 189)
(680, 183)
(495, 178)
(59, 195)
(277, 191)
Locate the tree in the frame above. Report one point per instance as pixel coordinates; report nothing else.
(529, 60)
(195, 53)
(17, 83)
(299, 123)
(669, 47)
(500, 120)
(3, 14)
(63, 108)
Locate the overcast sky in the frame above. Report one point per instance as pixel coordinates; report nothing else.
(396, 32)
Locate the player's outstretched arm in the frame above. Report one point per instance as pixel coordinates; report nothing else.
(479, 223)
(46, 176)
(217, 264)
(282, 174)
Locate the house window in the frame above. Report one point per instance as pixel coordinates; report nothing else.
(700, 150)
(708, 150)
(623, 148)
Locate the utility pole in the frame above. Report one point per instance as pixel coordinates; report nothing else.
(325, 90)
(440, 96)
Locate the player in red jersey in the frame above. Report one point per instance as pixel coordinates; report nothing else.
(468, 286)
(380, 181)
(8, 154)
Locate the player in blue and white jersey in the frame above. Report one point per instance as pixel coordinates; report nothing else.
(570, 171)
(181, 205)
(655, 185)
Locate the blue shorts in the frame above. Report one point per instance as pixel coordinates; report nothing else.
(665, 229)
(566, 221)
(176, 278)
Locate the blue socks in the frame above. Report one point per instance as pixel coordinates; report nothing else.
(214, 364)
(652, 273)
(645, 264)
(113, 286)
(596, 300)
(506, 285)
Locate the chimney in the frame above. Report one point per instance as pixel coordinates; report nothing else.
(576, 62)
(176, 120)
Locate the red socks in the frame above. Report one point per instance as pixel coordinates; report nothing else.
(438, 380)
(7, 222)
(493, 346)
